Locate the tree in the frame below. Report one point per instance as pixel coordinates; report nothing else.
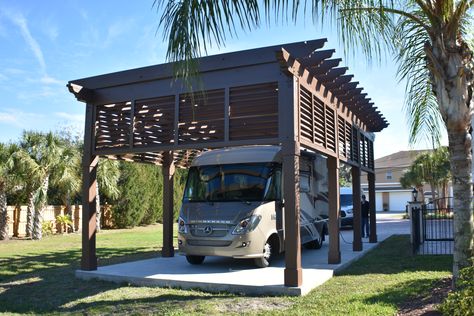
(42, 155)
(66, 176)
(6, 183)
(412, 178)
(108, 174)
(141, 191)
(427, 37)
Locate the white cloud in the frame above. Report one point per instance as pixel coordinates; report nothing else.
(76, 118)
(116, 29)
(20, 21)
(7, 118)
(19, 118)
(50, 80)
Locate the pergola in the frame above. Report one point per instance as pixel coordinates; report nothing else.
(293, 95)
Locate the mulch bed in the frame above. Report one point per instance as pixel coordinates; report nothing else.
(427, 305)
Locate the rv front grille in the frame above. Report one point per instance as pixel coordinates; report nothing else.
(206, 230)
(213, 243)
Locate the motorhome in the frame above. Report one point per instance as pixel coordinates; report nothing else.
(233, 204)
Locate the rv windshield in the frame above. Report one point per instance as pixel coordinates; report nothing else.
(235, 182)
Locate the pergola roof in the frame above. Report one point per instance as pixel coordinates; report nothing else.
(308, 56)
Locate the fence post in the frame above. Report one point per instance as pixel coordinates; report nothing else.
(414, 209)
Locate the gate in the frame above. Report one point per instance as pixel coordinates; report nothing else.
(435, 234)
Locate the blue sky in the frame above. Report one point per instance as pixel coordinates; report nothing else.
(44, 44)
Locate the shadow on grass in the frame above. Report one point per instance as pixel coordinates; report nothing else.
(394, 255)
(405, 293)
(44, 283)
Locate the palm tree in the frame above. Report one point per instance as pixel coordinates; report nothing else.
(66, 176)
(6, 183)
(108, 174)
(413, 178)
(43, 153)
(427, 37)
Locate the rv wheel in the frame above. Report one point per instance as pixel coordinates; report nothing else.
(264, 261)
(195, 259)
(315, 244)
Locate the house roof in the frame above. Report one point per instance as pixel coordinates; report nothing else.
(401, 159)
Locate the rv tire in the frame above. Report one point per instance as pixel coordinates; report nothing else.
(315, 244)
(195, 259)
(264, 261)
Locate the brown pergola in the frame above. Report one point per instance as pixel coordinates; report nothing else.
(294, 95)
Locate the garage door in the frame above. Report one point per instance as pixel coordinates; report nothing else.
(378, 201)
(398, 200)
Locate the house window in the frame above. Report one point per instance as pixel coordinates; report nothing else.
(388, 175)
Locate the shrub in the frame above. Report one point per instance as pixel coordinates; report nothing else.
(461, 301)
(64, 222)
(47, 228)
(141, 195)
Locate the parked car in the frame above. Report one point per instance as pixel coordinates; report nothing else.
(346, 211)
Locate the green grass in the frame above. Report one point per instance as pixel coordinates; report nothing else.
(38, 277)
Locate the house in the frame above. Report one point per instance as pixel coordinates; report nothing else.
(388, 170)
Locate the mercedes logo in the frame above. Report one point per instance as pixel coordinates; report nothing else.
(208, 230)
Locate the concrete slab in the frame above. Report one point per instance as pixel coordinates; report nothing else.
(239, 276)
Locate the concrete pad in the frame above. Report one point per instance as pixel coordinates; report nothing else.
(218, 274)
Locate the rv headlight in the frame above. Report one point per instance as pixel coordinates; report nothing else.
(182, 227)
(247, 225)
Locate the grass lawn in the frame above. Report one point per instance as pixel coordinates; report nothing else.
(38, 277)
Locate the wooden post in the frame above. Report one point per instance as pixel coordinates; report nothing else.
(293, 272)
(288, 130)
(357, 227)
(89, 184)
(372, 217)
(168, 177)
(334, 255)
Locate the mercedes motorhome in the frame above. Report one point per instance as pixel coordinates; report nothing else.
(233, 204)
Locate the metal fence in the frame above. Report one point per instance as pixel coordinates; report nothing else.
(433, 228)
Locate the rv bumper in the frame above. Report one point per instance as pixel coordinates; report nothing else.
(236, 246)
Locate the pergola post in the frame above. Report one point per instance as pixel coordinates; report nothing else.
(168, 183)
(293, 272)
(334, 255)
(288, 118)
(373, 223)
(89, 184)
(357, 227)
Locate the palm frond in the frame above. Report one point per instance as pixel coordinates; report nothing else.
(421, 107)
(108, 174)
(192, 26)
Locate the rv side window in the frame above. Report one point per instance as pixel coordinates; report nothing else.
(273, 192)
(305, 185)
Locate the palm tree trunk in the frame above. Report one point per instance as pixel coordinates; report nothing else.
(38, 219)
(69, 212)
(450, 64)
(97, 208)
(461, 163)
(30, 209)
(3, 214)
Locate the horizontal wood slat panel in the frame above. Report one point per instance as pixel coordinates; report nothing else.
(253, 111)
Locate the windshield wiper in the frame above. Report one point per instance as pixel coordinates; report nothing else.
(243, 200)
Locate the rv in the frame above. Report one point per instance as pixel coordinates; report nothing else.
(233, 204)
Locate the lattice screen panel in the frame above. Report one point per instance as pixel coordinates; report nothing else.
(113, 125)
(201, 117)
(153, 122)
